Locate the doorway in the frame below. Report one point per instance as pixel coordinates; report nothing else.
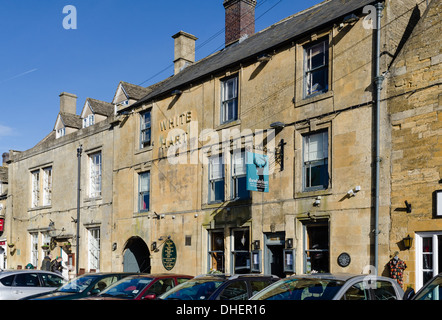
(136, 257)
(274, 254)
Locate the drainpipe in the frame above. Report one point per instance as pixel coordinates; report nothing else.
(378, 81)
(79, 151)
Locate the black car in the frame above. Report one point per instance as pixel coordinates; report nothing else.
(83, 286)
(220, 287)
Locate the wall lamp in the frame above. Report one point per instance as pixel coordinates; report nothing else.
(351, 18)
(277, 125)
(317, 201)
(408, 241)
(289, 243)
(176, 92)
(352, 192)
(408, 206)
(264, 57)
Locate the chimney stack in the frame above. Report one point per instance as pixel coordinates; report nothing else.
(240, 19)
(184, 50)
(68, 103)
(5, 159)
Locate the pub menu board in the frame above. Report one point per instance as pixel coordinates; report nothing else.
(168, 255)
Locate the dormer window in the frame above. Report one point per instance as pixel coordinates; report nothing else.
(61, 132)
(88, 121)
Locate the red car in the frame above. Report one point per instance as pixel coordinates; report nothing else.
(141, 287)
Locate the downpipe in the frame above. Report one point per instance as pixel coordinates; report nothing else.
(378, 83)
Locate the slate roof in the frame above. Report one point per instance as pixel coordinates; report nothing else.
(135, 92)
(71, 120)
(101, 107)
(283, 32)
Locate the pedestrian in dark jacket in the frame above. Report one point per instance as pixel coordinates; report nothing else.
(56, 265)
(46, 263)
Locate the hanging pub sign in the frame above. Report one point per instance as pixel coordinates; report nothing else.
(257, 172)
(2, 223)
(168, 255)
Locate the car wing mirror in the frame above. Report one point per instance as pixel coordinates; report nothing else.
(409, 293)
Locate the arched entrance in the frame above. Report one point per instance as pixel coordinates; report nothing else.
(136, 257)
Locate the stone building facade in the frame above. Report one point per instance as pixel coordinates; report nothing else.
(175, 156)
(179, 187)
(3, 199)
(416, 166)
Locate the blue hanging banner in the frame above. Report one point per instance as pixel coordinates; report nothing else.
(257, 172)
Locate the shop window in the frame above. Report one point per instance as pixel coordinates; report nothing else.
(216, 251)
(241, 251)
(316, 252)
(429, 256)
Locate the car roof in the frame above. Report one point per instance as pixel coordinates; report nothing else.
(336, 276)
(159, 275)
(222, 276)
(10, 271)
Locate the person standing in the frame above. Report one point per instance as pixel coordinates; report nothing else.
(46, 263)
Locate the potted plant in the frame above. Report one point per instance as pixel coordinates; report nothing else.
(45, 247)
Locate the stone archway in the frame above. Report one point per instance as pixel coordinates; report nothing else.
(136, 256)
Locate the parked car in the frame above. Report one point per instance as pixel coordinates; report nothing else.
(432, 290)
(17, 284)
(220, 287)
(82, 286)
(322, 286)
(141, 287)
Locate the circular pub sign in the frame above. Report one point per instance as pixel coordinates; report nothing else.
(168, 255)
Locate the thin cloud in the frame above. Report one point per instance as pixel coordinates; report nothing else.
(20, 75)
(5, 131)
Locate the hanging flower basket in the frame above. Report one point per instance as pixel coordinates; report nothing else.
(11, 245)
(45, 247)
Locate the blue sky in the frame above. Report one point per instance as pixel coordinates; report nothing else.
(115, 40)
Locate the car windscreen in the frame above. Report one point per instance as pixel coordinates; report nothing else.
(432, 291)
(300, 289)
(196, 289)
(77, 285)
(127, 288)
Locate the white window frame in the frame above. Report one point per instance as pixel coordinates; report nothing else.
(95, 174)
(309, 71)
(35, 188)
(419, 256)
(61, 132)
(94, 250)
(310, 159)
(143, 190)
(145, 129)
(229, 100)
(238, 170)
(34, 249)
(216, 178)
(89, 121)
(47, 186)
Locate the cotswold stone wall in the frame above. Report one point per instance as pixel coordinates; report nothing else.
(415, 108)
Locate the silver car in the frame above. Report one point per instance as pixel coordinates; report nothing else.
(322, 286)
(17, 284)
